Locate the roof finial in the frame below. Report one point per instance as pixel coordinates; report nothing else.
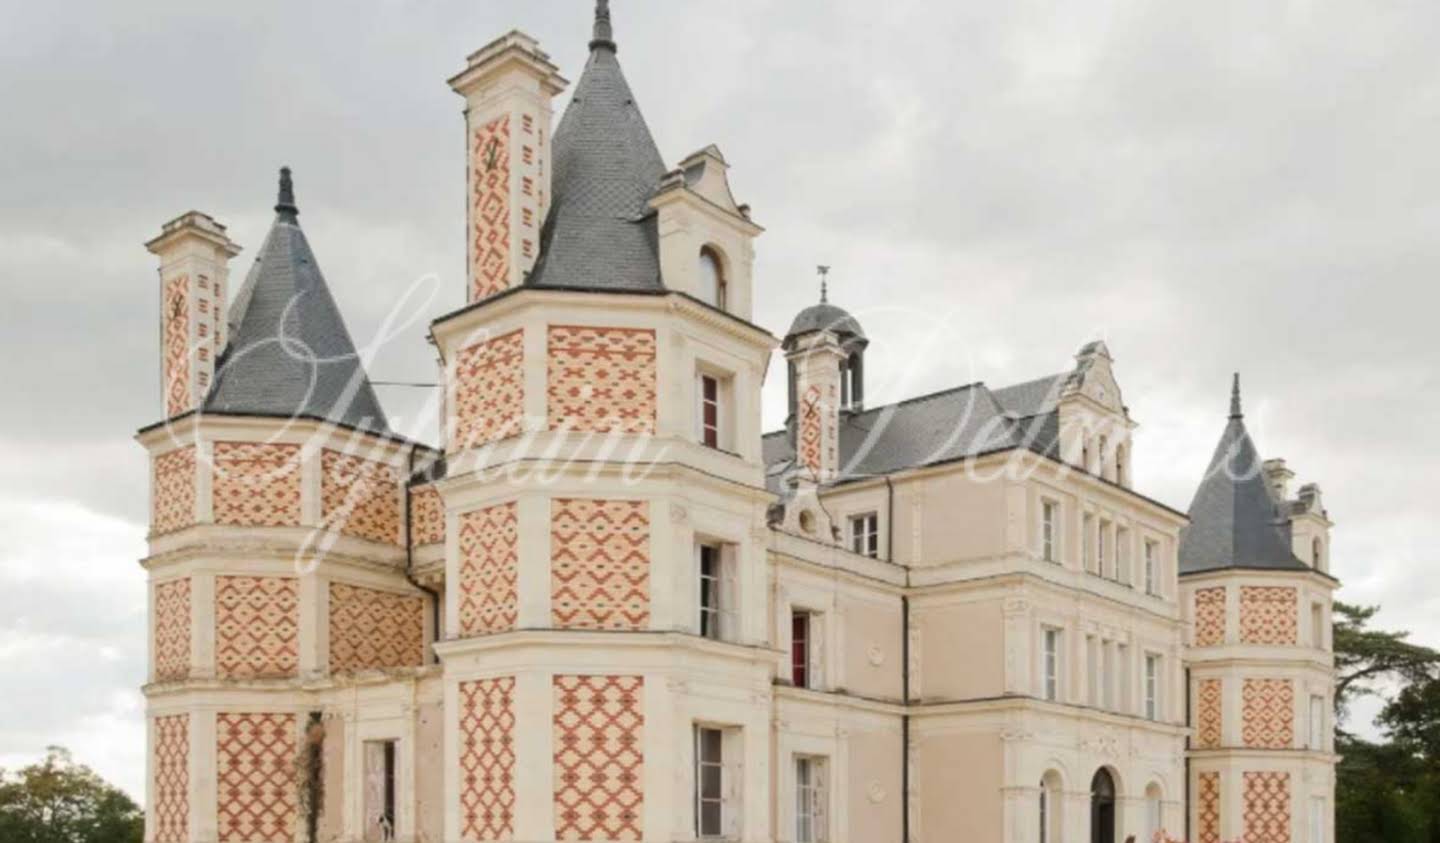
(1235, 412)
(285, 205)
(604, 34)
(824, 284)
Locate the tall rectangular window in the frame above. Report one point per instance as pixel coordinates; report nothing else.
(802, 645)
(1087, 541)
(1152, 687)
(1051, 666)
(1317, 626)
(1151, 576)
(709, 782)
(1125, 697)
(379, 790)
(811, 820)
(1107, 678)
(1317, 723)
(1122, 555)
(711, 590)
(1317, 821)
(710, 411)
(1092, 671)
(1102, 550)
(865, 534)
(1049, 531)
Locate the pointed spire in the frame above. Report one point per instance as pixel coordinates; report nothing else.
(1235, 411)
(285, 204)
(604, 36)
(824, 284)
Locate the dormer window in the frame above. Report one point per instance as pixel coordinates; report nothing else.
(712, 278)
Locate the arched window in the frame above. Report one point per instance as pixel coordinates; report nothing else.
(712, 278)
(1051, 827)
(1102, 807)
(1154, 811)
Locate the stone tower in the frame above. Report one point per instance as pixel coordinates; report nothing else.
(1261, 666)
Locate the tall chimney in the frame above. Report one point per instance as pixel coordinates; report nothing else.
(1278, 477)
(508, 88)
(194, 253)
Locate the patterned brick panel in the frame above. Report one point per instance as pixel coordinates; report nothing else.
(372, 629)
(1267, 807)
(1209, 714)
(177, 346)
(427, 517)
(490, 209)
(1208, 809)
(172, 630)
(489, 392)
(810, 433)
(257, 627)
(170, 792)
(600, 564)
(360, 497)
(255, 757)
(487, 759)
(173, 488)
(1268, 707)
(601, 380)
(489, 569)
(599, 757)
(1210, 617)
(257, 485)
(1269, 615)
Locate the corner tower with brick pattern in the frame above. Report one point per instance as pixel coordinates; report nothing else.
(602, 450)
(282, 614)
(1262, 677)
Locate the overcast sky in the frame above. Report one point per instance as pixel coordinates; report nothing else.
(1206, 186)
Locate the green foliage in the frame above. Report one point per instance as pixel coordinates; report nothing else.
(59, 801)
(1390, 792)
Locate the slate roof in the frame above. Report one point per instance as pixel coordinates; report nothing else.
(825, 317)
(957, 423)
(290, 354)
(1235, 521)
(600, 232)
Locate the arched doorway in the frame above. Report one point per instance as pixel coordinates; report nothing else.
(1102, 808)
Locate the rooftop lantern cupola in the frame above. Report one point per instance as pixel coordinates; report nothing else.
(825, 354)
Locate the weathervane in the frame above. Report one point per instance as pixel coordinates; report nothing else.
(824, 283)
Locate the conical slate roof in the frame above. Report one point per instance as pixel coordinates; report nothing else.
(600, 232)
(290, 354)
(1235, 521)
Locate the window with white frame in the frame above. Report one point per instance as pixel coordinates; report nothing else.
(1102, 550)
(1152, 576)
(865, 534)
(709, 782)
(1050, 663)
(1317, 626)
(1107, 677)
(713, 289)
(379, 790)
(1087, 540)
(718, 599)
(1152, 686)
(1122, 555)
(1125, 700)
(1050, 531)
(712, 394)
(804, 649)
(1317, 821)
(1092, 671)
(812, 823)
(1317, 723)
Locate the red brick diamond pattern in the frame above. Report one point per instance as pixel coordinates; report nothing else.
(173, 488)
(601, 380)
(257, 627)
(810, 429)
(360, 497)
(177, 345)
(1267, 808)
(1209, 714)
(599, 757)
(171, 788)
(371, 629)
(172, 630)
(1208, 811)
(1269, 615)
(489, 396)
(600, 564)
(489, 566)
(427, 517)
(490, 209)
(255, 757)
(257, 484)
(487, 760)
(1209, 617)
(1269, 713)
